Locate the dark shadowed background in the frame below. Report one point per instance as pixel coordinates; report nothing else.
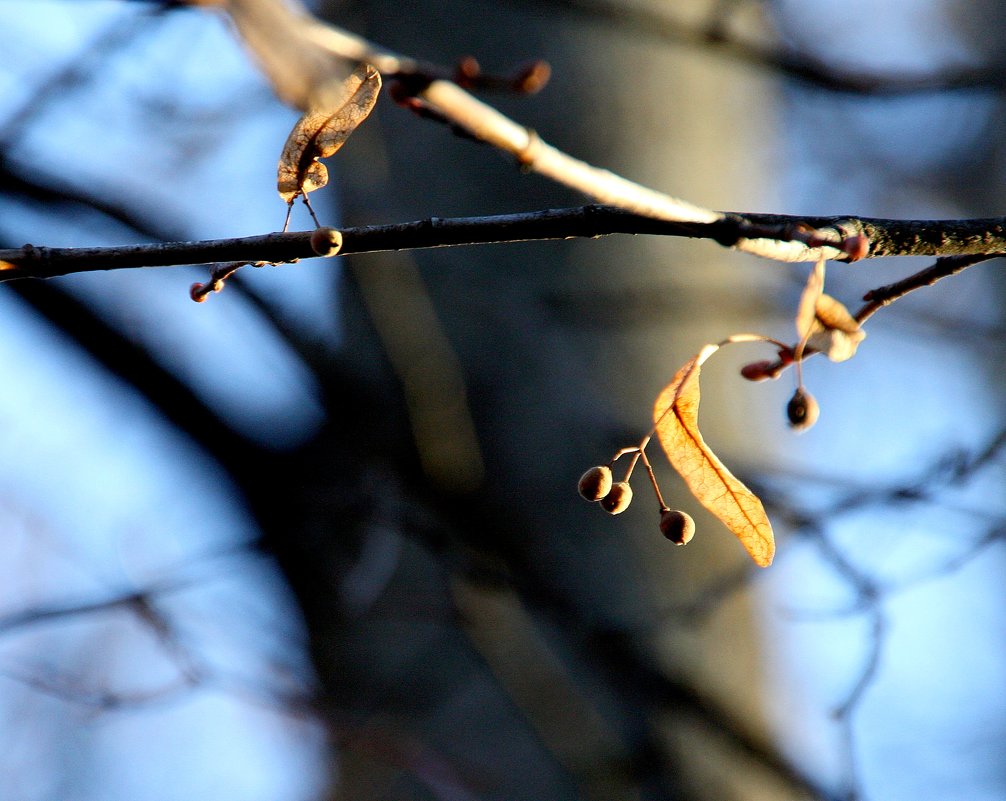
(319, 537)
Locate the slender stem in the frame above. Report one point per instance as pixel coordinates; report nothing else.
(943, 268)
(734, 339)
(624, 452)
(455, 106)
(971, 240)
(639, 454)
(653, 478)
(310, 208)
(636, 453)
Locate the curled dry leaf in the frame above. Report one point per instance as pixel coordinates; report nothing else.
(823, 323)
(675, 415)
(836, 332)
(806, 314)
(323, 130)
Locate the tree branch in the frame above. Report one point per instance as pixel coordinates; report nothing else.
(783, 237)
(943, 268)
(299, 66)
(655, 22)
(295, 63)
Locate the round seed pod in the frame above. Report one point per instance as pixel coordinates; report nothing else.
(618, 499)
(802, 410)
(677, 526)
(595, 483)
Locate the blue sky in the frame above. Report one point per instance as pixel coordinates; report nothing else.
(100, 495)
(86, 512)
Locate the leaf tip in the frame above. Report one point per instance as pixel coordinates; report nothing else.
(764, 559)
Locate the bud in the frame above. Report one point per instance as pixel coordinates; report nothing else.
(618, 499)
(326, 241)
(468, 71)
(856, 247)
(760, 371)
(533, 77)
(677, 526)
(595, 483)
(802, 410)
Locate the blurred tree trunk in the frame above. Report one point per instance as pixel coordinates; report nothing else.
(474, 623)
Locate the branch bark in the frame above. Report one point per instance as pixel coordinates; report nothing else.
(307, 42)
(782, 237)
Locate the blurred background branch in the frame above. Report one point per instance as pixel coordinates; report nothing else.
(359, 483)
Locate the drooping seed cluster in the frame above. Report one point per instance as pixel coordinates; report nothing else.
(742, 512)
(596, 486)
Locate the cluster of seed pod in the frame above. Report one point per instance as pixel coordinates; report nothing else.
(597, 486)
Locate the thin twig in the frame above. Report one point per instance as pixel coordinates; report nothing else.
(980, 237)
(943, 268)
(301, 68)
(306, 39)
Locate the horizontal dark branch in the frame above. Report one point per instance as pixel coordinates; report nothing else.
(743, 231)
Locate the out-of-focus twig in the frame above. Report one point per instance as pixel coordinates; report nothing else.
(655, 21)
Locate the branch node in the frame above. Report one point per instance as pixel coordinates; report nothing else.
(528, 155)
(220, 273)
(326, 242)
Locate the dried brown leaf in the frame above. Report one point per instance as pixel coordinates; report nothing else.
(824, 324)
(675, 415)
(836, 333)
(831, 314)
(323, 130)
(806, 312)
